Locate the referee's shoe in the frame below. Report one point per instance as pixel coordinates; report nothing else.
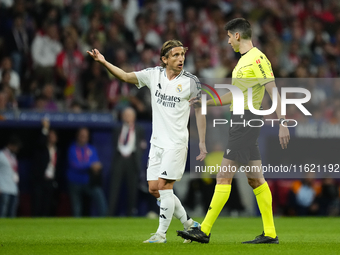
(194, 234)
(263, 239)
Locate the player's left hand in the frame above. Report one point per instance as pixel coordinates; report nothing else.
(284, 136)
(203, 152)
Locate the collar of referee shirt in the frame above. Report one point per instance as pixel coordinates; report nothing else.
(246, 52)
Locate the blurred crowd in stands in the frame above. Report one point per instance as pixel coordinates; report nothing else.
(43, 47)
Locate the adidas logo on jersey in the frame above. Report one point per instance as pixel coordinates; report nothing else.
(162, 216)
(164, 173)
(159, 86)
(228, 151)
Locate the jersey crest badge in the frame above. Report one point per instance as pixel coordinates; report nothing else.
(179, 88)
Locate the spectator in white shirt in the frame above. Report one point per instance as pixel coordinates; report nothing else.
(9, 178)
(45, 49)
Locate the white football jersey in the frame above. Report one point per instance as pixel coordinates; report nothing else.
(170, 106)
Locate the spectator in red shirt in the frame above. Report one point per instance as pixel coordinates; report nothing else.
(69, 65)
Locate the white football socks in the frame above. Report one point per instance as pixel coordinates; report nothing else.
(166, 209)
(181, 214)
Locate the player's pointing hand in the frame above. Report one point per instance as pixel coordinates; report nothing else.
(96, 55)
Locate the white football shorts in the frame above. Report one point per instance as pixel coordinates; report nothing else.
(166, 163)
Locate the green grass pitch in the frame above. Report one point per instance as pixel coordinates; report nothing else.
(125, 235)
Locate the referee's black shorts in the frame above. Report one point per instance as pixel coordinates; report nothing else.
(242, 143)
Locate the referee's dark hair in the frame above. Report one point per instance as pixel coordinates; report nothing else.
(241, 26)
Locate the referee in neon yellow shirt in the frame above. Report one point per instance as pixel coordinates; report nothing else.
(253, 70)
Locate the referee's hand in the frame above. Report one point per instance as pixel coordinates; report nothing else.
(284, 136)
(196, 102)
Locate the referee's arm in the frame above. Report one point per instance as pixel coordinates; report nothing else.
(225, 99)
(284, 131)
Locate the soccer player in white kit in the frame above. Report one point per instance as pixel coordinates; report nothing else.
(171, 89)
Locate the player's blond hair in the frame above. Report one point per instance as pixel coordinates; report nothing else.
(167, 47)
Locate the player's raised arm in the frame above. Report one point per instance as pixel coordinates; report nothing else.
(284, 135)
(117, 72)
